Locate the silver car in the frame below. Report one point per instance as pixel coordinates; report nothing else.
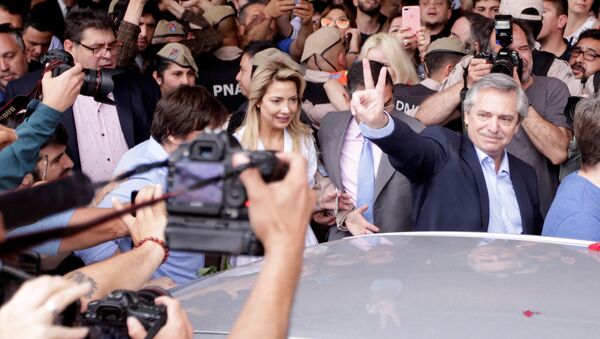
(423, 285)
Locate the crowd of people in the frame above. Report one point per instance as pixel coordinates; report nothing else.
(392, 126)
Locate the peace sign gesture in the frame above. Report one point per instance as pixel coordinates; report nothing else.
(368, 104)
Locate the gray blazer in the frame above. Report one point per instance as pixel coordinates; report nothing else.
(392, 207)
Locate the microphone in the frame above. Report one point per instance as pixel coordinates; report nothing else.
(27, 206)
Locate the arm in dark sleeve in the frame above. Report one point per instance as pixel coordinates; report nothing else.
(127, 37)
(20, 158)
(416, 156)
(206, 38)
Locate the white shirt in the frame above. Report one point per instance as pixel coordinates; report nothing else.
(350, 159)
(310, 153)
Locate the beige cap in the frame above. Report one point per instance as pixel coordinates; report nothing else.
(179, 54)
(320, 41)
(273, 54)
(111, 6)
(515, 8)
(166, 28)
(216, 14)
(449, 45)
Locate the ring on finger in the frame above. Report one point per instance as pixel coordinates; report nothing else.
(51, 307)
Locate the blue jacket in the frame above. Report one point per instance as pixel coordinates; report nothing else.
(19, 159)
(448, 186)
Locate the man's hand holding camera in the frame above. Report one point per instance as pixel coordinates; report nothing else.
(31, 312)
(478, 68)
(60, 92)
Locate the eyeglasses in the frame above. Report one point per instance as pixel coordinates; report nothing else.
(339, 22)
(588, 55)
(113, 48)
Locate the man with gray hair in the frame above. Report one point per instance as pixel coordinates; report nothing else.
(13, 61)
(574, 213)
(461, 182)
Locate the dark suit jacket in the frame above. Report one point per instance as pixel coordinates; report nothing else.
(136, 96)
(449, 189)
(392, 203)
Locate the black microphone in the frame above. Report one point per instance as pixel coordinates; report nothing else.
(27, 206)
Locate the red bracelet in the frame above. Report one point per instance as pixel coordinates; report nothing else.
(158, 241)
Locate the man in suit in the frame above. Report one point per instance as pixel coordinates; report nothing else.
(389, 209)
(100, 133)
(460, 182)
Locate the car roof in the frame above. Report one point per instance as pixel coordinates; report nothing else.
(423, 285)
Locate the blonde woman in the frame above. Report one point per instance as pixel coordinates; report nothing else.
(273, 122)
(386, 49)
(383, 48)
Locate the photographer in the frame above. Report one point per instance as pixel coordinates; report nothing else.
(179, 117)
(97, 141)
(544, 135)
(20, 158)
(266, 313)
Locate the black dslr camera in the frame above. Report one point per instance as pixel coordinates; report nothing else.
(97, 83)
(214, 218)
(506, 59)
(107, 317)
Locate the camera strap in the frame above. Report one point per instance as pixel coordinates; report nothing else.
(18, 104)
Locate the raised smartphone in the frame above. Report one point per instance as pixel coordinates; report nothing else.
(411, 17)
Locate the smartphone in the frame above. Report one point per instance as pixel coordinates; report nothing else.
(411, 17)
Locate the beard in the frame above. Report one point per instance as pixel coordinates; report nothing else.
(370, 11)
(579, 67)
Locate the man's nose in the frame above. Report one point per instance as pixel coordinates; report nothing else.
(494, 124)
(4, 65)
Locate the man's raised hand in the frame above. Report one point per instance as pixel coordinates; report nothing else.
(368, 104)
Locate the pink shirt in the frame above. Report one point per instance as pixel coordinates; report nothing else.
(99, 137)
(350, 156)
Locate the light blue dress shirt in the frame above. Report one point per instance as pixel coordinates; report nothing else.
(58, 220)
(505, 216)
(180, 266)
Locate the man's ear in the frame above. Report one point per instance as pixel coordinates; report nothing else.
(447, 70)
(157, 78)
(69, 45)
(562, 21)
(241, 28)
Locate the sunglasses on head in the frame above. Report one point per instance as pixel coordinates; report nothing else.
(339, 22)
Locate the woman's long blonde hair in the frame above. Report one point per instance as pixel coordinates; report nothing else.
(264, 76)
(404, 68)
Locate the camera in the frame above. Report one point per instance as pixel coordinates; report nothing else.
(506, 59)
(97, 83)
(213, 218)
(107, 317)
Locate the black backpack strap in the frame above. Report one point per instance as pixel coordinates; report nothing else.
(542, 62)
(596, 82)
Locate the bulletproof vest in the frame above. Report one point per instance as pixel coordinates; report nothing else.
(541, 62)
